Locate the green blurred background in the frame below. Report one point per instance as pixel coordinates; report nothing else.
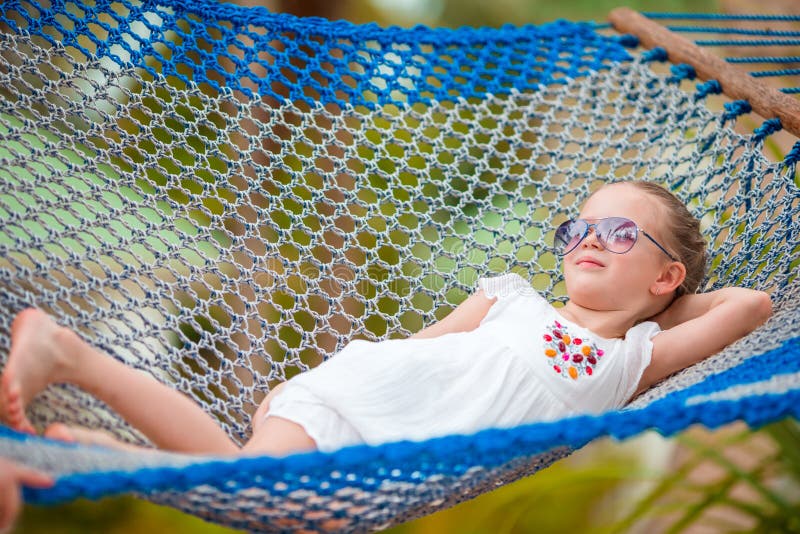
(700, 481)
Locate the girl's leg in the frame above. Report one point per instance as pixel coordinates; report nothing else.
(44, 353)
(76, 434)
(275, 435)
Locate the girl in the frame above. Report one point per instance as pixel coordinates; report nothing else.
(631, 263)
(12, 477)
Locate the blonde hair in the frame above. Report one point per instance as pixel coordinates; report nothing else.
(682, 235)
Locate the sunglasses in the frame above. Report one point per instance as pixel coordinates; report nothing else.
(615, 234)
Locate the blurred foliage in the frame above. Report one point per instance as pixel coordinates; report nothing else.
(456, 13)
(729, 480)
(749, 480)
(478, 12)
(119, 515)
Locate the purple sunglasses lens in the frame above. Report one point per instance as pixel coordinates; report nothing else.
(569, 234)
(617, 234)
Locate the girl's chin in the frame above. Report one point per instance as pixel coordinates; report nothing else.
(592, 291)
(588, 276)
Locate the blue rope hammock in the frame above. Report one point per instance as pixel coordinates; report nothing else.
(222, 197)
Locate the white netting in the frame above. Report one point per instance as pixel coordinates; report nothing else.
(225, 245)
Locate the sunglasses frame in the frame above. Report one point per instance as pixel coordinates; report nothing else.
(594, 225)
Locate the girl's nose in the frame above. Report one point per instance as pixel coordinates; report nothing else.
(591, 240)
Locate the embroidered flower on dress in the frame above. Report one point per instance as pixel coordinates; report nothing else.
(570, 356)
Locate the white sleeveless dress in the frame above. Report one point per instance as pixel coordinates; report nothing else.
(523, 363)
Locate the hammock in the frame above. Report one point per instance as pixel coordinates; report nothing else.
(222, 197)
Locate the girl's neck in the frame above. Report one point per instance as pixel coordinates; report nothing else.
(604, 323)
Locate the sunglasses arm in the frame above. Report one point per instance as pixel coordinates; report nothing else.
(648, 236)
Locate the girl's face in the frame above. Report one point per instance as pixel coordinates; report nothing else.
(601, 280)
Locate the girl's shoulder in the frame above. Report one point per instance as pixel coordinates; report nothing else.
(508, 285)
(645, 330)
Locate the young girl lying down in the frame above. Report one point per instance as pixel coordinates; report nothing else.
(632, 263)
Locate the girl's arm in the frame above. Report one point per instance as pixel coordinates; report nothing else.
(696, 326)
(467, 316)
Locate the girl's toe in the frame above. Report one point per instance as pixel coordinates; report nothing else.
(60, 432)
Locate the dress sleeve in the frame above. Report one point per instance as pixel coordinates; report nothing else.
(505, 286)
(638, 353)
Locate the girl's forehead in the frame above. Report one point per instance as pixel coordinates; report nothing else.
(622, 201)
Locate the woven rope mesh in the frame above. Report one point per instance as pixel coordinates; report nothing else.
(228, 214)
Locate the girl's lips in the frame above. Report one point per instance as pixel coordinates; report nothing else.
(588, 260)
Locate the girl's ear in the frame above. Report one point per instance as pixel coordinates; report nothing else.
(670, 279)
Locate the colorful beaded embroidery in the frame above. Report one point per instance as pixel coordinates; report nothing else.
(571, 356)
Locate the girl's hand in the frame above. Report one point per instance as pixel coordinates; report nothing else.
(11, 477)
(696, 326)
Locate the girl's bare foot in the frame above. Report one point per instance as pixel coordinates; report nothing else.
(76, 434)
(41, 353)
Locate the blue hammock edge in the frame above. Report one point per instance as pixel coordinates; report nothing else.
(405, 65)
(448, 455)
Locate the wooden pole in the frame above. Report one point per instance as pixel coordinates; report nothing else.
(735, 81)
